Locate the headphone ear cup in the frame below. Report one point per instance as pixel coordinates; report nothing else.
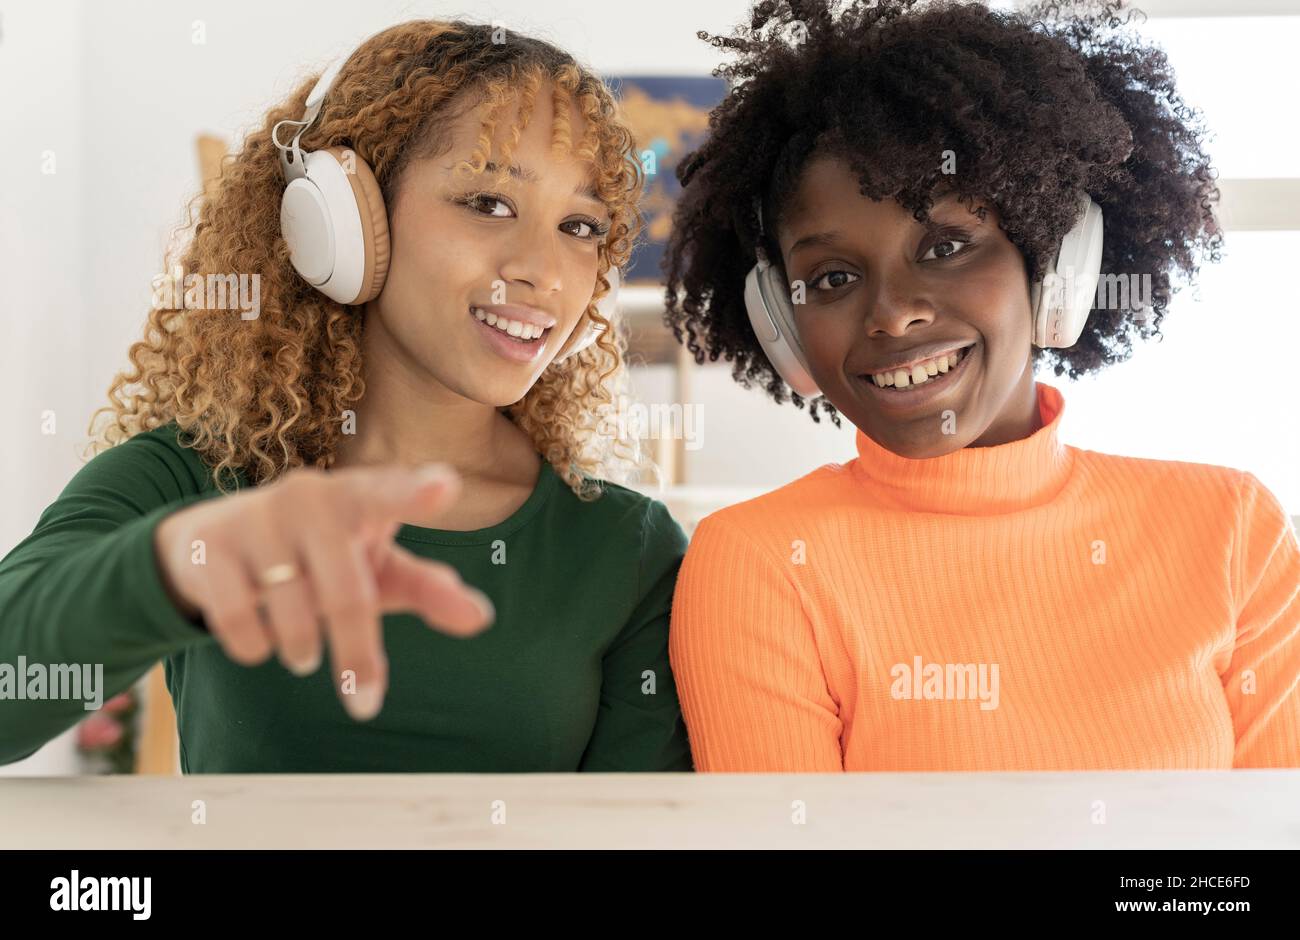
(1038, 309)
(771, 314)
(373, 215)
(776, 296)
(335, 224)
(1066, 295)
(588, 330)
(305, 226)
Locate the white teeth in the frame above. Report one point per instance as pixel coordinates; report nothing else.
(515, 328)
(919, 373)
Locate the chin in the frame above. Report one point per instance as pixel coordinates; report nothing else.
(473, 386)
(916, 447)
(505, 397)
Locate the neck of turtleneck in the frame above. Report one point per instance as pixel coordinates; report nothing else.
(974, 481)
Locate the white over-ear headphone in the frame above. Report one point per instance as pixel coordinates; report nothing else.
(1060, 302)
(333, 218)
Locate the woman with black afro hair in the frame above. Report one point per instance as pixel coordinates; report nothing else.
(901, 210)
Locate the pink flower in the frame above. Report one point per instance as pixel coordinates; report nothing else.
(98, 732)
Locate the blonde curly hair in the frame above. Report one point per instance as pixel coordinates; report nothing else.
(266, 395)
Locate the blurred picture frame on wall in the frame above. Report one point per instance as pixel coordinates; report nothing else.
(670, 117)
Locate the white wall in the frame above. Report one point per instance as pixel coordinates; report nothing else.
(42, 310)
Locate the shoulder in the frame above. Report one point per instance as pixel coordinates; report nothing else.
(154, 465)
(1188, 501)
(130, 479)
(1263, 529)
(656, 540)
(621, 515)
(1171, 484)
(804, 502)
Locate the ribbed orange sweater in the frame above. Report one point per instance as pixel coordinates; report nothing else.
(1030, 606)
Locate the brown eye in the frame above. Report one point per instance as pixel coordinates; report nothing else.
(834, 280)
(588, 229)
(487, 204)
(584, 229)
(947, 254)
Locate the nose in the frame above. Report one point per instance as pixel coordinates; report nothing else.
(897, 305)
(532, 258)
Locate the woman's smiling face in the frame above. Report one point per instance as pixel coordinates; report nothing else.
(526, 249)
(882, 290)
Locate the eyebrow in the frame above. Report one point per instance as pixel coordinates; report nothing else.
(819, 239)
(586, 190)
(816, 239)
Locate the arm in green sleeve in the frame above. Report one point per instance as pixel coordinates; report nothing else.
(639, 724)
(85, 588)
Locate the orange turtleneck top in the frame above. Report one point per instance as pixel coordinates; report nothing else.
(1028, 606)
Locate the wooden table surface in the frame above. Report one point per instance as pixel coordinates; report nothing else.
(1162, 809)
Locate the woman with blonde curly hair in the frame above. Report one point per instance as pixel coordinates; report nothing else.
(495, 189)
